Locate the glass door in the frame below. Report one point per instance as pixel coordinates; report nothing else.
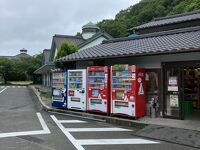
(173, 93)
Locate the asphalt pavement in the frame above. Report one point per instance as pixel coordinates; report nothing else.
(25, 125)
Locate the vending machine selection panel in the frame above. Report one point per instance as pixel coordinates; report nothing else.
(59, 89)
(127, 90)
(98, 89)
(77, 89)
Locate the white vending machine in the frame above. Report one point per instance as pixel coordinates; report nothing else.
(77, 89)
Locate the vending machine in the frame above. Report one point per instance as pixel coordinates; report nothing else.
(77, 89)
(98, 95)
(127, 91)
(59, 85)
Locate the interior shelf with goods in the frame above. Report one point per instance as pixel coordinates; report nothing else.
(96, 79)
(121, 79)
(192, 87)
(75, 80)
(58, 80)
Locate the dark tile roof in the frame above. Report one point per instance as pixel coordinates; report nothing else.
(170, 20)
(59, 39)
(175, 41)
(45, 68)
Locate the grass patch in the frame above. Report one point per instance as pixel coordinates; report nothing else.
(46, 94)
(21, 82)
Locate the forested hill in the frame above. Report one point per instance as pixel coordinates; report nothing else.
(144, 12)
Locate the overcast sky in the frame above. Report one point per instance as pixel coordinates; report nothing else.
(31, 24)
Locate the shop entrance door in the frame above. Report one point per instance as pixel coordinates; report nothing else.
(173, 92)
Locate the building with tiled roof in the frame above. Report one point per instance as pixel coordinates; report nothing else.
(178, 21)
(23, 53)
(169, 50)
(91, 36)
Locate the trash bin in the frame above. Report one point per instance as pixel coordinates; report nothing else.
(188, 107)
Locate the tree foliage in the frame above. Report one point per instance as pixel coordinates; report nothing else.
(66, 49)
(19, 69)
(143, 12)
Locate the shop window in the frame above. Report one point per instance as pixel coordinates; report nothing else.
(152, 93)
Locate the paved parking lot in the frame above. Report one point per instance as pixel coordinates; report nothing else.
(24, 125)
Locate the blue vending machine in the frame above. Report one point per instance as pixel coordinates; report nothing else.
(59, 88)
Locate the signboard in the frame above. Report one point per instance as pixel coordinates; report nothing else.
(173, 100)
(173, 84)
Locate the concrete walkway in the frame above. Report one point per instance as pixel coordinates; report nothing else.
(184, 132)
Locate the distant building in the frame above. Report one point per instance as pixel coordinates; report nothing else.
(91, 35)
(23, 53)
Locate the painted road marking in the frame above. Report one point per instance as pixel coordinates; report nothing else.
(13, 86)
(95, 129)
(71, 121)
(115, 141)
(80, 143)
(45, 130)
(3, 90)
(67, 134)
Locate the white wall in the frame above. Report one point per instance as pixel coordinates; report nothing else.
(88, 35)
(56, 51)
(93, 43)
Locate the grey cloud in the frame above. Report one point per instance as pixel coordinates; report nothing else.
(32, 23)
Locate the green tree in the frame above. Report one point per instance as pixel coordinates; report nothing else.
(143, 12)
(5, 69)
(66, 49)
(19, 69)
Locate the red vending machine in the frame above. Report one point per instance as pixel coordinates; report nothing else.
(98, 99)
(127, 91)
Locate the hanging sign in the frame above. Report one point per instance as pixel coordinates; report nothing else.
(173, 84)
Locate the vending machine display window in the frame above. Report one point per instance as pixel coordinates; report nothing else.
(75, 80)
(95, 93)
(96, 79)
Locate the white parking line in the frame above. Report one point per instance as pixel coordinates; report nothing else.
(45, 130)
(13, 86)
(67, 134)
(95, 129)
(3, 90)
(115, 141)
(72, 121)
(79, 143)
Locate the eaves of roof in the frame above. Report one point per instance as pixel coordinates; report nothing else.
(168, 42)
(44, 68)
(174, 19)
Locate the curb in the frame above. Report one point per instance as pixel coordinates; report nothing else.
(107, 119)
